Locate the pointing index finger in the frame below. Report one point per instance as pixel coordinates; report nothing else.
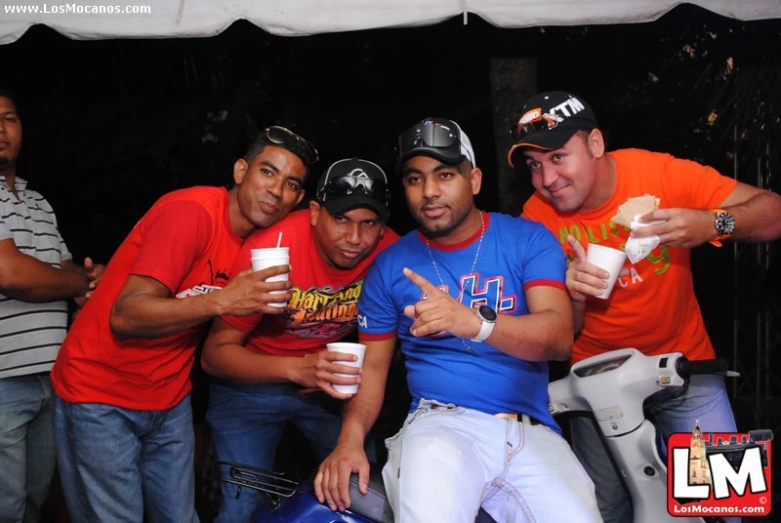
(424, 285)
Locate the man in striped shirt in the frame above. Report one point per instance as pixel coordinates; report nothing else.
(37, 275)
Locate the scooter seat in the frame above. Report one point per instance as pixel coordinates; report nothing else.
(375, 506)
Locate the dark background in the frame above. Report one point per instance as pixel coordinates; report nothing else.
(110, 126)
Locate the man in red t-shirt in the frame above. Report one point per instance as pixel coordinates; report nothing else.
(123, 420)
(267, 365)
(652, 307)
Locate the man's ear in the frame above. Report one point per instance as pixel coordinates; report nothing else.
(596, 143)
(476, 180)
(314, 212)
(240, 170)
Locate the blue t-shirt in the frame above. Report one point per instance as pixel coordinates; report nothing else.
(515, 254)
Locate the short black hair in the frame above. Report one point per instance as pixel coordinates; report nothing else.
(260, 142)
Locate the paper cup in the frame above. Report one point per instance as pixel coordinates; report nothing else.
(611, 260)
(271, 252)
(272, 257)
(359, 350)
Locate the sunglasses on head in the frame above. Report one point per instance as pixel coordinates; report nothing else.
(344, 187)
(430, 134)
(281, 136)
(351, 184)
(546, 122)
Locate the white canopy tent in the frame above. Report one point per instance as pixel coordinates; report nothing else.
(87, 20)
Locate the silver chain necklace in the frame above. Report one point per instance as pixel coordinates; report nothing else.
(471, 271)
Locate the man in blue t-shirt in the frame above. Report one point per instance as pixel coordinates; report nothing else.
(479, 303)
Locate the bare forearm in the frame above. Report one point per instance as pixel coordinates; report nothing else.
(149, 317)
(28, 279)
(68, 265)
(234, 362)
(362, 410)
(757, 219)
(542, 336)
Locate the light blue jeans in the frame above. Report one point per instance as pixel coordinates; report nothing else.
(116, 464)
(448, 461)
(705, 400)
(27, 454)
(247, 422)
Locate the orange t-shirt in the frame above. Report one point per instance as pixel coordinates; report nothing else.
(186, 242)
(324, 306)
(654, 309)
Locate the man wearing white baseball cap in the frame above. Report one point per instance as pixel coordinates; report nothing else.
(478, 304)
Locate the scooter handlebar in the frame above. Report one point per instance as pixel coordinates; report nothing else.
(686, 368)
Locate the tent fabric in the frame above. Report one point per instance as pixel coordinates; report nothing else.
(86, 20)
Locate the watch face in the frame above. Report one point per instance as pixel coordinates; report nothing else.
(487, 312)
(725, 223)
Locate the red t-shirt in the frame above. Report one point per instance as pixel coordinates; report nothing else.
(324, 306)
(186, 242)
(654, 309)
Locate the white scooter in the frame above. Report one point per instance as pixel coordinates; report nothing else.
(614, 386)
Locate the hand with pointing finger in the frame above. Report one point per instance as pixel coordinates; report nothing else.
(439, 312)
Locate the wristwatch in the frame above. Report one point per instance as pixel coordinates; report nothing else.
(724, 223)
(487, 317)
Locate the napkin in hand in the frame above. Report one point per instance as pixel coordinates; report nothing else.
(638, 248)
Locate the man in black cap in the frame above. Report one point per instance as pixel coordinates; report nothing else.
(264, 363)
(580, 187)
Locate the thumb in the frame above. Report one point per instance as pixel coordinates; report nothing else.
(577, 248)
(88, 264)
(363, 478)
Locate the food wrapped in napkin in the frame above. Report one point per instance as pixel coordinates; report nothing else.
(629, 215)
(638, 206)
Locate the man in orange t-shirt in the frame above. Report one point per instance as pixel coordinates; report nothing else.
(122, 416)
(263, 363)
(579, 187)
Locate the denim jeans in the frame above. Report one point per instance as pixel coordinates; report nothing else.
(247, 422)
(705, 400)
(27, 454)
(448, 461)
(116, 464)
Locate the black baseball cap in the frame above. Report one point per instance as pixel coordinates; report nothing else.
(354, 183)
(548, 121)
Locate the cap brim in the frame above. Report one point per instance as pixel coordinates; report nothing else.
(544, 140)
(343, 205)
(450, 158)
